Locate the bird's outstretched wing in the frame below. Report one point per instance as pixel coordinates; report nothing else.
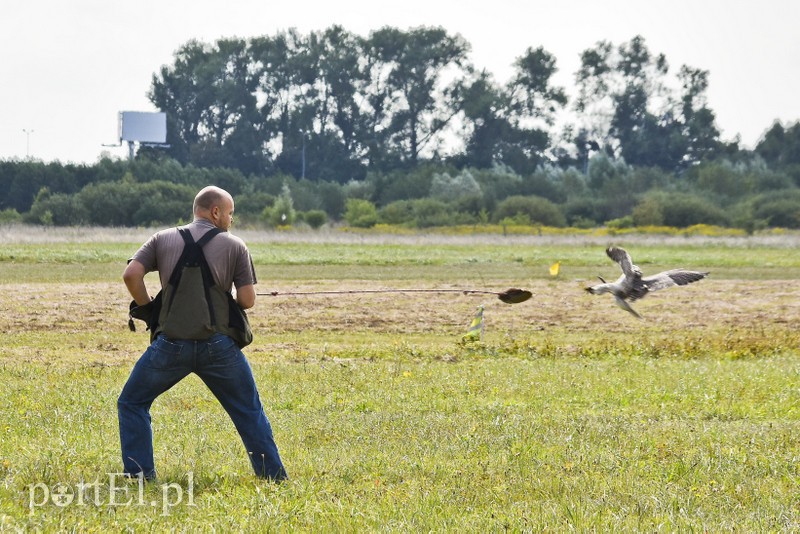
(621, 256)
(674, 277)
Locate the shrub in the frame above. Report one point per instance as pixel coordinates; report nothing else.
(472, 205)
(538, 210)
(621, 222)
(251, 206)
(722, 179)
(332, 199)
(163, 203)
(282, 212)
(111, 203)
(429, 212)
(778, 208)
(647, 178)
(397, 212)
(315, 218)
(449, 188)
(497, 183)
(57, 209)
(127, 202)
(546, 182)
(682, 210)
(586, 211)
(648, 212)
(403, 185)
(10, 215)
(360, 213)
(771, 181)
(153, 213)
(358, 189)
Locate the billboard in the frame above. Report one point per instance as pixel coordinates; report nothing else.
(142, 126)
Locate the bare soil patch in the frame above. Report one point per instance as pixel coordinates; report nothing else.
(559, 310)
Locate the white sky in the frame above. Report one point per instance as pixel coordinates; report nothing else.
(69, 66)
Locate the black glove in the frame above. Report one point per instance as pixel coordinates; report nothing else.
(143, 313)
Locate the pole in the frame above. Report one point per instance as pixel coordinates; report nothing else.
(27, 142)
(303, 170)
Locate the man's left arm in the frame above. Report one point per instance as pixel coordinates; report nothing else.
(244, 279)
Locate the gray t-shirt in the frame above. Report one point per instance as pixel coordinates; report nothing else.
(227, 255)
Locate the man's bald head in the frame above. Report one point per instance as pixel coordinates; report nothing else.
(208, 197)
(214, 204)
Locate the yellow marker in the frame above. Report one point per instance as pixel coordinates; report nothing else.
(554, 268)
(475, 332)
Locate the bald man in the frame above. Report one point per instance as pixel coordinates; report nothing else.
(210, 351)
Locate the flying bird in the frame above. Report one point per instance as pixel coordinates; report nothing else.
(632, 286)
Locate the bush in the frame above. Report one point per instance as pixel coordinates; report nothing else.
(448, 188)
(497, 183)
(10, 215)
(722, 179)
(681, 210)
(315, 218)
(112, 203)
(472, 205)
(360, 213)
(156, 212)
(251, 206)
(771, 181)
(397, 212)
(128, 203)
(282, 212)
(546, 182)
(648, 212)
(429, 212)
(58, 209)
(622, 222)
(778, 208)
(783, 213)
(332, 199)
(403, 185)
(538, 210)
(584, 211)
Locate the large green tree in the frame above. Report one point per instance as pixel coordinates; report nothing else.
(416, 89)
(209, 96)
(628, 108)
(510, 125)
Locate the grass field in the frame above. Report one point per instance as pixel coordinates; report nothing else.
(570, 414)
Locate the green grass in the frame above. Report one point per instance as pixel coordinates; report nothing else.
(388, 427)
(481, 444)
(75, 262)
(335, 254)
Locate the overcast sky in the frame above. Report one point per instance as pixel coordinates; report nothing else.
(69, 66)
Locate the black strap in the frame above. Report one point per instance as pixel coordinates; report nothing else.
(205, 238)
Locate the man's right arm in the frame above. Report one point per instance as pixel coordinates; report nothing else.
(246, 296)
(134, 281)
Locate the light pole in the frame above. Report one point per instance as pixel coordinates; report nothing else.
(27, 142)
(303, 156)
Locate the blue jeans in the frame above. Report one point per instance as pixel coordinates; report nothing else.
(221, 365)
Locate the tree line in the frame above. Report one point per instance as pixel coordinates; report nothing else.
(399, 128)
(332, 105)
